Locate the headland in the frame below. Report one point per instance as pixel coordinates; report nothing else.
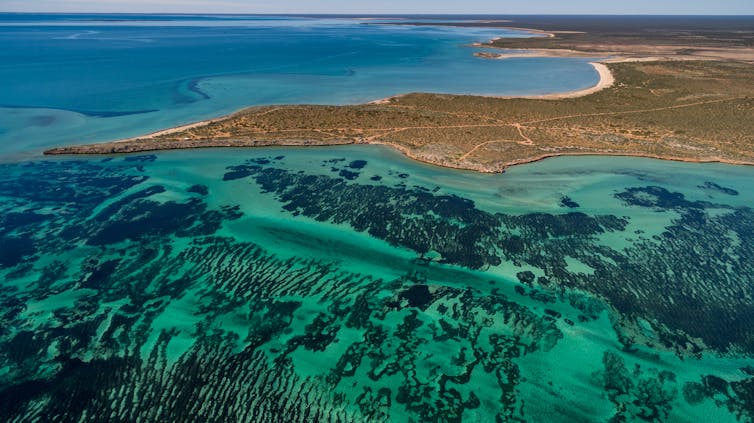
(656, 97)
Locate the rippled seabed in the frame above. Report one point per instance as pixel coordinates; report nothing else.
(350, 284)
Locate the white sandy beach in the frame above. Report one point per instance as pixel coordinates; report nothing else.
(606, 81)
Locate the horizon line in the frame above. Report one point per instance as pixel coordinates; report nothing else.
(370, 14)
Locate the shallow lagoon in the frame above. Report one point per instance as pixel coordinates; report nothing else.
(350, 283)
(150, 277)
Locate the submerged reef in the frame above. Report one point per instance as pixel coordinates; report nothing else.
(126, 299)
(651, 279)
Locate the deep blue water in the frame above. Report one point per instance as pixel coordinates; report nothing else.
(84, 78)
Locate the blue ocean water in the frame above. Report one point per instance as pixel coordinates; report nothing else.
(86, 78)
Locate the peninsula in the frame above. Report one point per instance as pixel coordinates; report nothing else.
(658, 101)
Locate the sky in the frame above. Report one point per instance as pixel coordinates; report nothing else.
(670, 7)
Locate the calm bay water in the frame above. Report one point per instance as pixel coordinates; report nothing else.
(346, 283)
(74, 79)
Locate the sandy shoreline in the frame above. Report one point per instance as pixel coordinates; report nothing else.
(606, 80)
(180, 128)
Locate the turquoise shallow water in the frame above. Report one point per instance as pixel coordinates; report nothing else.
(353, 284)
(261, 284)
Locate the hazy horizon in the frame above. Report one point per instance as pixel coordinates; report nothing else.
(389, 7)
(371, 14)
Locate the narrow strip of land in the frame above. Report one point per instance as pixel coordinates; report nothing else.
(698, 111)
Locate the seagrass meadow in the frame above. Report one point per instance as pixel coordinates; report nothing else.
(350, 284)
